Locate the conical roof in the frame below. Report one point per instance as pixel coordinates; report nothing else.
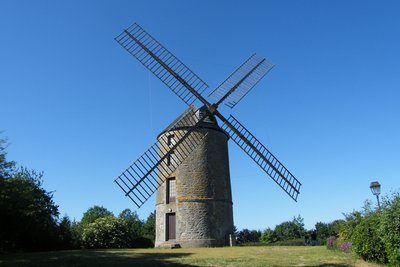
(190, 117)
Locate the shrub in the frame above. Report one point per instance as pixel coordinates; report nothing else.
(331, 242)
(367, 242)
(135, 228)
(106, 232)
(28, 212)
(149, 227)
(326, 230)
(268, 236)
(346, 247)
(93, 213)
(390, 229)
(290, 230)
(346, 228)
(246, 236)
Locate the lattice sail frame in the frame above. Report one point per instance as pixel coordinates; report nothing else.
(142, 174)
(262, 156)
(240, 82)
(162, 63)
(140, 180)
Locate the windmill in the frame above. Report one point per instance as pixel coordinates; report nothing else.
(188, 164)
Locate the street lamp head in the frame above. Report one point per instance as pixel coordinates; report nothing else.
(375, 188)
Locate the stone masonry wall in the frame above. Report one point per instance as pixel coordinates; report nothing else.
(203, 204)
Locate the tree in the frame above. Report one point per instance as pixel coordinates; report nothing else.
(88, 217)
(29, 214)
(149, 227)
(6, 167)
(367, 242)
(323, 231)
(243, 236)
(350, 223)
(235, 231)
(94, 213)
(255, 235)
(268, 236)
(65, 235)
(326, 230)
(390, 228)
(246, 235)
(106, 232)
(290, 230)
(334, 227)
(76, 234)
(135, 226)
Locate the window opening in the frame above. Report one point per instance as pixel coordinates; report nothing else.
(171, 190)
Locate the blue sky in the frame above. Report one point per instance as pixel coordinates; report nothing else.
(77, 106)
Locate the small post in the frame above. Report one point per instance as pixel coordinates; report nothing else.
(230, 240)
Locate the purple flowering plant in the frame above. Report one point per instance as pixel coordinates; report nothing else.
(346, 247)
(330, 242)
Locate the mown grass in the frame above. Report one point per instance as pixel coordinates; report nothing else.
(236, 256)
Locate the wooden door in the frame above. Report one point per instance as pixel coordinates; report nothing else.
(171, 226)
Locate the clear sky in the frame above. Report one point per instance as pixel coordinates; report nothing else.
(77, 106)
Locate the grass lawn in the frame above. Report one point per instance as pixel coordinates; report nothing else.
(236, 256)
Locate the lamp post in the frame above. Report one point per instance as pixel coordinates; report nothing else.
(376, 190)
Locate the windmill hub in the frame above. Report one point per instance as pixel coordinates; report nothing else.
(207, 116)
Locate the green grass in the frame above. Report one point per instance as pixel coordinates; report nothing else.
(236, 256)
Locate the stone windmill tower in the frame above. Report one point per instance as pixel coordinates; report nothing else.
(194, 205)
(188, 165)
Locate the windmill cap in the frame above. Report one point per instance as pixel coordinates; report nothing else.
(190, 117)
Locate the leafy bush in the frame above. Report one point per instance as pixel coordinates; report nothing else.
(106, 232)
(65, 235)
(390, 229)
(149, 227)
(135, 228)
(290, 230)
(268, 236)
(331, 242)
(248, 236)
(93, 213)
(326, 230)
(347, 228)
(338, 244)
(28, 212)
(367, 242)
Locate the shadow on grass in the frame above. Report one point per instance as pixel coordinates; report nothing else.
(97, 258)
(330, 265)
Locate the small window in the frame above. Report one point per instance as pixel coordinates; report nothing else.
(170, 158)
(171, 140)
(171, 190)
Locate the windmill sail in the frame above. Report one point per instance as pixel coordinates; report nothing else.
(240, 82)
(162, 63)
(147, 173)
(262, 156)
(140, 180)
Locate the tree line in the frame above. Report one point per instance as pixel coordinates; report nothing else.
(289, 233)
(30, 220)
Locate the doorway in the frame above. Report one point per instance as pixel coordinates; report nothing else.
(171, 226)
